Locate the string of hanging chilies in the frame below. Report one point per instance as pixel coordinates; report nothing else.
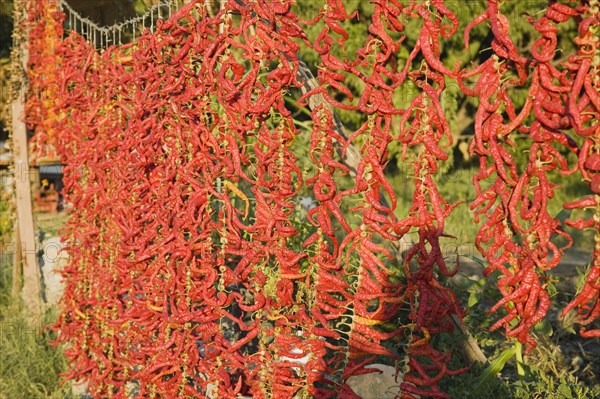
(191, 273)
(518, 235)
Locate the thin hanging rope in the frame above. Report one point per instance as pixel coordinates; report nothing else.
(132, 28)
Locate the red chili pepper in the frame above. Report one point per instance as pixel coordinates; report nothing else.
(585, 202)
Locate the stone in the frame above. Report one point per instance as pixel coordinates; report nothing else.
(377, 385)
(53, 259)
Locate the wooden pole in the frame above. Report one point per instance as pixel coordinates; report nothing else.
(26, 244)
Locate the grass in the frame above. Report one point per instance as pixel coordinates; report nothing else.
(29, 365)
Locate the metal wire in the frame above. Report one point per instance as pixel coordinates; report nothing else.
(131, 28)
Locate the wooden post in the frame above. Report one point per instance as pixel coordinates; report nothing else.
(26, 244)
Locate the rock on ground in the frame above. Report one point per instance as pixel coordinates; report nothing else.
(377, 385)
(53, 259)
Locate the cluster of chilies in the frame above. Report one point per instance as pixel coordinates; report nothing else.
(191, 274)
(43, 94)
(517, 235)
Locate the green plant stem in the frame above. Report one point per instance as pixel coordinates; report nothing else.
(519, 359)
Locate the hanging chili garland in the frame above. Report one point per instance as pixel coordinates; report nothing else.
(186, 278)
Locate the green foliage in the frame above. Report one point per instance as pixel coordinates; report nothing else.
(496, 366)
(544, 373)
(536, 385)
(29, 365)
(462, 386)
(6, 26)
(541, 385)
(6, 214)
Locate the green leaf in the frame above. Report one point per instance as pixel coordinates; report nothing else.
(582, 277)
(563, 215)
(564, 391)
(519, 358)
(481, 282)
(544, 327)
(495, 367)
(388, 327)
(513, 323)
(476, 259)
(473, 299)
